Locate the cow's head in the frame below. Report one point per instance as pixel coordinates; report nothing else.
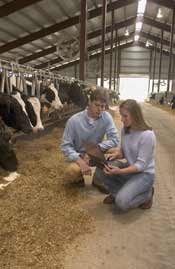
(21, 118)
(50, 95)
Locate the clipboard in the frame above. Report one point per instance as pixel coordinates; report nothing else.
(97, 157)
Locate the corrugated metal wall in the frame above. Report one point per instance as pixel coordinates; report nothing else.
(134, 61)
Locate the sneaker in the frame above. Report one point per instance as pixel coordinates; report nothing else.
(109, 200)
(148, 204)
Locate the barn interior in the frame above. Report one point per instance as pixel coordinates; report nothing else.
(127, 47)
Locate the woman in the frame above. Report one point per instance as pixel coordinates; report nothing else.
(132, 186)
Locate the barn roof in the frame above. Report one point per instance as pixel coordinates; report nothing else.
(45, 33)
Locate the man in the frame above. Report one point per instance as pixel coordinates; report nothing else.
(90, 125)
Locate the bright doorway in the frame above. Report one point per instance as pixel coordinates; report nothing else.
(134, 88)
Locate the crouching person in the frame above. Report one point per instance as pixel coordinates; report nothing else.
(90, 125)
(132, 186)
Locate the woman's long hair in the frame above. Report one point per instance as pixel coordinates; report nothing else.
(137, 116)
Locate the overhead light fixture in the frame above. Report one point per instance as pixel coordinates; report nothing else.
(159, 13)
(136, 37)
(127, 32)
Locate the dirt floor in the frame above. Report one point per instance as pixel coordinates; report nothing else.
(40, 212)
(47, 223)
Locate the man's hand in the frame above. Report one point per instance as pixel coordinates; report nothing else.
(85, 168)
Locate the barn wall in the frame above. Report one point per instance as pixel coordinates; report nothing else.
(134, 61)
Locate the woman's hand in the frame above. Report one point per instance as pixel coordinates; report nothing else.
(111, 156)
(114, 155)
(111, 170)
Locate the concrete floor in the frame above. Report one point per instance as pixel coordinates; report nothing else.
(138, 239)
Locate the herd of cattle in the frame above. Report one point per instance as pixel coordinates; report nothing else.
(24, 112)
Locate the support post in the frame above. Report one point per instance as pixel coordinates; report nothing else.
(104, 8)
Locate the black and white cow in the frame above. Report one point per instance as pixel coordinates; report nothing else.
(49, 97)
(13, 112)
(73, 92)
(8, 160)
(33, 108)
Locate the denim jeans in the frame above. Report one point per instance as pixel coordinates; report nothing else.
(129, 190)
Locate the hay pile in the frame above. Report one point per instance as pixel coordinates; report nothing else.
(40, 214)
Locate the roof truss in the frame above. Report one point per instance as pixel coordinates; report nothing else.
(14, 6)
(62, 25)
(90, 35)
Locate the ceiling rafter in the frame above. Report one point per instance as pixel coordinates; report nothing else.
(62, 25)
(142, 44)
(14, 6)
(90, 35)
(154, 38)
(90, 49)
(165, 3)
(157, 24)
(127, 45)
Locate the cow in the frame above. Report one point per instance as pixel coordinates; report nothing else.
(20, 111)
(73, 93)
(8, 160)
(33, 108)
(49, 98)
(13, 112)
(32, 104)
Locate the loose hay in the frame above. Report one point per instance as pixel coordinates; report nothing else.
(39, 213)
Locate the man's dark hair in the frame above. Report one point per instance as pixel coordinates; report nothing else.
(100, 94)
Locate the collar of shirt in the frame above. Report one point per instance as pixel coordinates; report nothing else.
(89, 119)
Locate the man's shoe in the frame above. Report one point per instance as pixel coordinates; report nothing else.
(109, 200)
(148, 204)
(101, 187)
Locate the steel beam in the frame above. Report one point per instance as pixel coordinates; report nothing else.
(90, 35)
(160, 61)
(171, 51)
(164, 3)
(14, 6)
(90, 57)
(104, 8)
(83, 32)
(111, 53)
(154, 65)
(61, 25)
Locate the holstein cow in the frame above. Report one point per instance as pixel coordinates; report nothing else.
(8, 160)
(49, 99)
(31, 103)
(73, 92)
(13, 112)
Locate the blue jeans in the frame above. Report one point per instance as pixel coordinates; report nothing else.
(129, 190)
